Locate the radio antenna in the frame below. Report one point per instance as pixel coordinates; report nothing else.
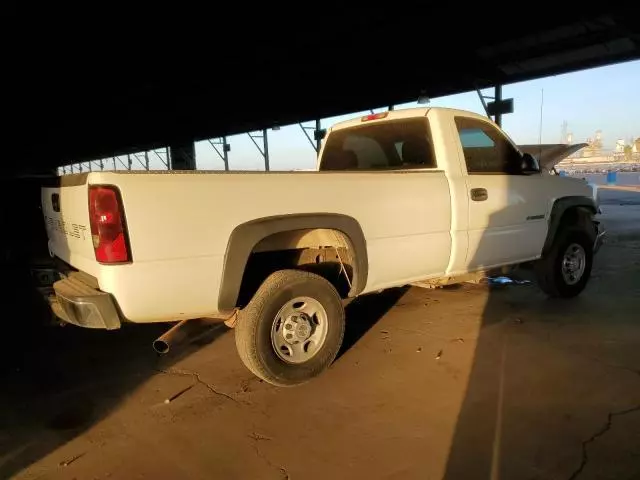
(540, 130)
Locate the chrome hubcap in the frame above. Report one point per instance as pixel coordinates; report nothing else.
(299, 329)
(573, 264)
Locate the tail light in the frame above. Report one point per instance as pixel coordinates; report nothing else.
(108, 227)
(374, 116)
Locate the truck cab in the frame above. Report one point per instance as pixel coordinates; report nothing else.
(501, 200)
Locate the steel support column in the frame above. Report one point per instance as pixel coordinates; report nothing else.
(316, 140)
(264, 150)
(318, 135)
(498, 106)
(483, 101)
(497, 99)
(265, 139)
(183, 156)
(226, 148)
(165, 160)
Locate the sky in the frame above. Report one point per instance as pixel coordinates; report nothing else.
(605, 98)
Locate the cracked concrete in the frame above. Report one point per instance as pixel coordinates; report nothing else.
(282, 470)
(525, 388)
(604, 429)
(196, 377)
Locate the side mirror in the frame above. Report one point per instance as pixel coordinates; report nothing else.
(530, 164)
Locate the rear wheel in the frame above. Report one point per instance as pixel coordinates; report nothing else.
(563, 272)
(292, 329)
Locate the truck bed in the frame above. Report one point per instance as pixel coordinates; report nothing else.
(180, 223)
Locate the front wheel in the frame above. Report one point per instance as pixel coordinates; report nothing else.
(292, 329)
(563, 272)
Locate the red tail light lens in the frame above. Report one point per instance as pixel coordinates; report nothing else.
(108, 229)
(374, 116)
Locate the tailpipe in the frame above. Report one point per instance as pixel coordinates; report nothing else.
(183, 331)
(175, 334)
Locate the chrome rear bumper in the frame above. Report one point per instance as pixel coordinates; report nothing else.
(82, 305)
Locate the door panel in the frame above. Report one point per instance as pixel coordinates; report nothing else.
(508, 226)
(507, 220)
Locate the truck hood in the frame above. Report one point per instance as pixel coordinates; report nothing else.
(550, 154)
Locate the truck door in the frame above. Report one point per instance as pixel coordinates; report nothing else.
(507, 207)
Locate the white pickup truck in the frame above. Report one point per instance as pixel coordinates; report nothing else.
(418, 196)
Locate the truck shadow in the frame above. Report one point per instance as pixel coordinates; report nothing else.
(526, 382)
(364, 312)
(477, 446)
(58, 382)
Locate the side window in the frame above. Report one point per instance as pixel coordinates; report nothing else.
(485, 148)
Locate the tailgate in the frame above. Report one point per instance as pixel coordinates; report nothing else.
(66, 216)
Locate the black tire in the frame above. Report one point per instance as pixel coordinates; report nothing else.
(255, 321)
(549, 268)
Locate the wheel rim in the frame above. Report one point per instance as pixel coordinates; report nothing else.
(299, 330)
(574, 263)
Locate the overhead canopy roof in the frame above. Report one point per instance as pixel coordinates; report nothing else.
(90, 88)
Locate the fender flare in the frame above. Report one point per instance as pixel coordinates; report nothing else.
(246, 236)
(559, 208)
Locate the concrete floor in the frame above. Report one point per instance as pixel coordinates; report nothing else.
(457, 383)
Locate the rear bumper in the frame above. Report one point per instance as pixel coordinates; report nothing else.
(82, 305)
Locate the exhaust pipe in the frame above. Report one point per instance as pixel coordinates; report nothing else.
(182, 331)
(175, 334)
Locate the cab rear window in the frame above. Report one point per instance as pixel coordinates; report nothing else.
(390, 145)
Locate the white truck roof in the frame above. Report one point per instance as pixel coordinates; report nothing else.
(403, 113)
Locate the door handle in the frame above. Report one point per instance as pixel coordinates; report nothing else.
(479, 194)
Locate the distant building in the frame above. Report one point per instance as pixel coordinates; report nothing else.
(636, 146)
(594, 147)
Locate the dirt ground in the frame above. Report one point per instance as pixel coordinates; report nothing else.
(458, 383)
